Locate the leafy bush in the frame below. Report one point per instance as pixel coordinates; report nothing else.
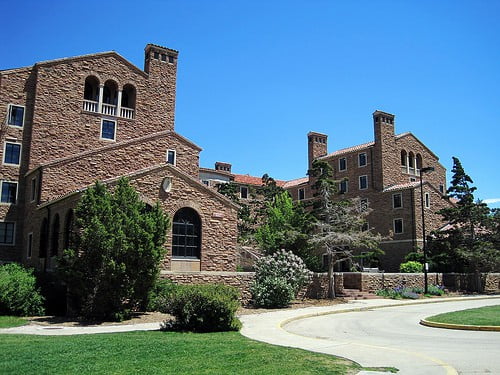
(411, 267)
(18, 292)
(272, 292)
(204, 308)
(160, 294)
(435, 290)
(412, 293)
(272, 273)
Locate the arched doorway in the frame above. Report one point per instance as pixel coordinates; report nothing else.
(186, 234)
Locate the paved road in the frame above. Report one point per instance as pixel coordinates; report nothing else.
(392, 336)
(384, 336)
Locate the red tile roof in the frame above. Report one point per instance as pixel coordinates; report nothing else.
(296, 182)
(348, 149)
(251, 180)
(409, 185)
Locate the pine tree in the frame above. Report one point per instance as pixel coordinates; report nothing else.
(118, 247)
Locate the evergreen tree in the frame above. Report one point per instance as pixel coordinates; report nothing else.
(467, 244)
(118, 247)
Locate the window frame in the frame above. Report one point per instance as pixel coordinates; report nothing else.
(5, 153)
(1, 191)
(114, 130)
(359, 160)
(400, 198)
(302, 196)
(346, 182)
(9, 111)
(427, 200)
(241, 192)
(394, 225)
(366, 183)
(345, 164)
(13, 234)
(174, 153)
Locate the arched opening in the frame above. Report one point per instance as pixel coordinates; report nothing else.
(91, 91)
(68, 229)
(54, 239)
(110, 92)
(411, 162)
(44, 239)
(186, 234)
(128, 96)
(419, 162)
(403, 158)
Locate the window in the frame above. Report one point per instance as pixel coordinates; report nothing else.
(397, 200)
(9, 192)
(441, 189)
(54, 240)
(398, 226)
(68, 229)
(342, 164)
(171, 59)
(12, 153)
(363, 182)
(343, 187)
(171, 157)
(427, 200)
(362, 159)
(29, 246)
(302, 194)
(186, 234)
(243, 192)
(33, 189)
(413, 179)
(205, 182)
(44, 239)
(16, 115)
(363, 204)
(7, 233)
(108, 129)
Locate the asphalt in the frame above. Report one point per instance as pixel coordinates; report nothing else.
(266, 327)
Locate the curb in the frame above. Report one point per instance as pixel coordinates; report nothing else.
(464, 327)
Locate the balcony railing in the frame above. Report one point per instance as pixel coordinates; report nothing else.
(410, 170)
(107, 109)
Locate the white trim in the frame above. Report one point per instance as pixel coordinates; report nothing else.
(5, 153)
(366, 160)
(9, 106)
(13, 234)
(114, 132)
(359, 181)
(29, 246)
(345, 169)
(393, 195)
(1, 191)
(402, 225)
(175, 156)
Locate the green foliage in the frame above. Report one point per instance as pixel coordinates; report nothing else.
(204, 308)
(12, 321)
(409, 292)
(481, 316)
(159, 295)
(19, 294)
(117, 250)
(415, 256)
(470, 242)
(275, 271)
(435, 290)
(411, 267)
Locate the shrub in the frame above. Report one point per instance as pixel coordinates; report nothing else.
(272, 292)
(411, 267)
(160, 294)
(204, 308)
(18, 292)
(272, 273)
(435, 290)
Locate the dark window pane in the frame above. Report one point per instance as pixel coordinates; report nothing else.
(12, 153)
(16, 115)
(108, 129)
(9, 190)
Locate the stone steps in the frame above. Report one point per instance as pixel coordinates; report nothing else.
(356, 294)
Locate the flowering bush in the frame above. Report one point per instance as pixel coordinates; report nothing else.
(278, 279)
(412, 293)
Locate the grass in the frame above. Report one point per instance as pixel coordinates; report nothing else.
(482, 316)
(160, 353)
(11, 321)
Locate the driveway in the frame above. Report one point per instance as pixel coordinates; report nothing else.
(373, 333)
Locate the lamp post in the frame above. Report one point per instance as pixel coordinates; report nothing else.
(426, 266)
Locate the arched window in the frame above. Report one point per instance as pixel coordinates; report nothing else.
(44, 239)
(128, 96)
(54, 239)
(403, 157)
(411, 160)
(419, 161)
(91, 91)
(186, 234)
(68, 229)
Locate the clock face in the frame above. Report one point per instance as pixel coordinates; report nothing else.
(167, 184)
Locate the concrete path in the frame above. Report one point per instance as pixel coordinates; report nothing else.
(284, 328)
(55, 330)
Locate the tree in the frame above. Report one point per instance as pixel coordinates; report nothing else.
(469, 241)
(340, 224)
(117, 250)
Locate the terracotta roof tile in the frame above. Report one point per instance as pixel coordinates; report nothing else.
(296, 182)
(252, 180)
(409, 185)
(348, 149)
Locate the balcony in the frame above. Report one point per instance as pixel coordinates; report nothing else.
(108, 109)
(410, 170)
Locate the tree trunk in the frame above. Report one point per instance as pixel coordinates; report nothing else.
(331, 277)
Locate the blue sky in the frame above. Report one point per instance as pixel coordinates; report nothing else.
(255, 76)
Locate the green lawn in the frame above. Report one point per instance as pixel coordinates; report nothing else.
(482, 316)
(11, 321)
(159, 353)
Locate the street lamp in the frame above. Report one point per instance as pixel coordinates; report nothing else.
(426, 266)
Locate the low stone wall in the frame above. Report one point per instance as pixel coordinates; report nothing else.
(482, 283)
(318, 287)
(371, 282)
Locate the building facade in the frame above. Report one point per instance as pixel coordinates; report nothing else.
(385, 176)
(72, 121)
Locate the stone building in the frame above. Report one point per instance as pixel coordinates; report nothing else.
(385, 175)
(72, 121)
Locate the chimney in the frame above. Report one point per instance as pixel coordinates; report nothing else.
(317, 146)
(220, 166)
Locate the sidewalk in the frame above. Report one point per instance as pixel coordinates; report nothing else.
(59, 330)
